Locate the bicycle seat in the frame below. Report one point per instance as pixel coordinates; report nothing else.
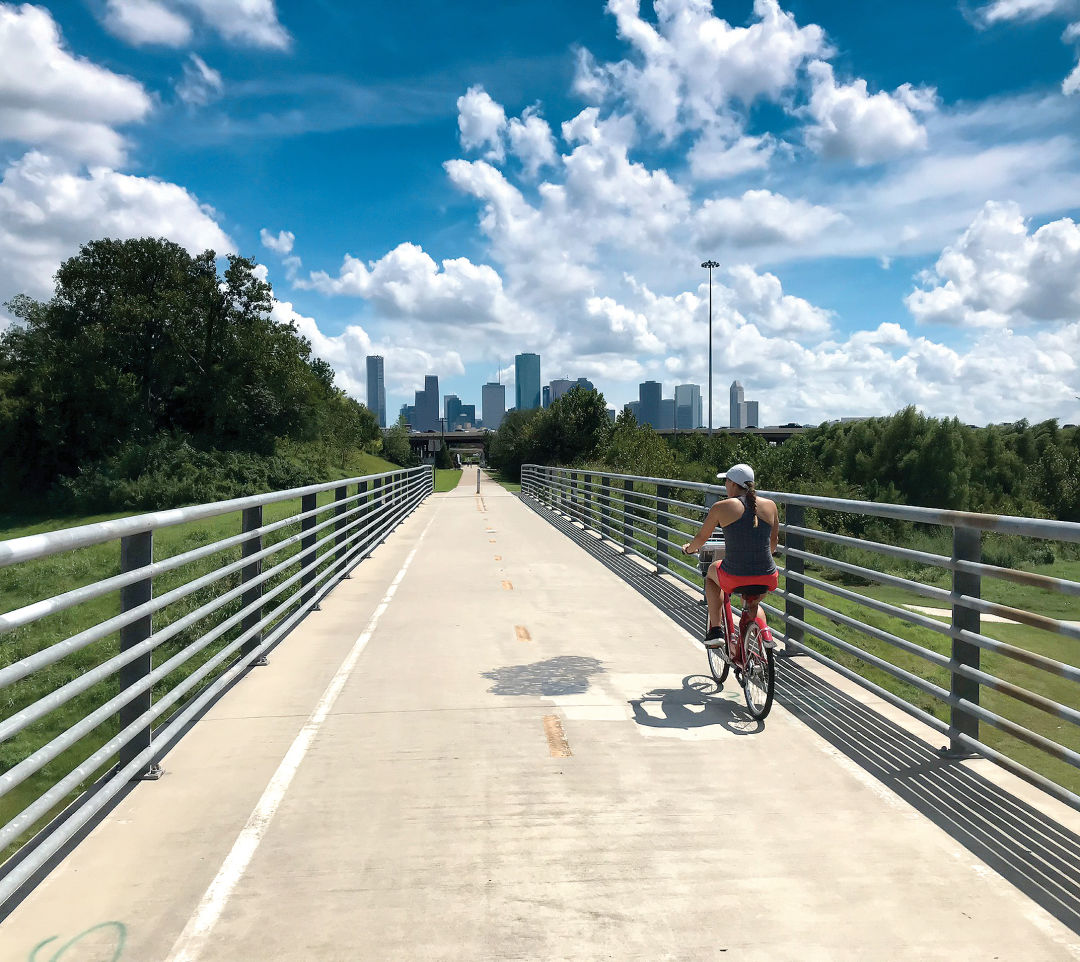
(745, 590)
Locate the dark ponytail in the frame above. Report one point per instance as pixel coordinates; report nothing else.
(751, 500)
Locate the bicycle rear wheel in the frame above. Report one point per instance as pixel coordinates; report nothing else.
(759, 678)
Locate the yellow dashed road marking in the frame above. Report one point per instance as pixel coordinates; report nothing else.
(558, 746)
(507, 586)
(522, 633)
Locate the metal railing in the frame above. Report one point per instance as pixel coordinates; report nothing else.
(262, 581)
(654, 517)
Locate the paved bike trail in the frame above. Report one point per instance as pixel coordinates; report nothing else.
(524, 762)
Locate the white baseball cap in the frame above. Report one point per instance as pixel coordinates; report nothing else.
(740, 474)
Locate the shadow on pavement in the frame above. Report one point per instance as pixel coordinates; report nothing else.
(565, 675)
(695, 705)
(1038, 855)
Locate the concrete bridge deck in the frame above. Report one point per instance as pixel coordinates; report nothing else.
(489, 745)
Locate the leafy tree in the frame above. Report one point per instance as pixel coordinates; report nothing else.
(396, 447)
(514, 444)
(141, 339)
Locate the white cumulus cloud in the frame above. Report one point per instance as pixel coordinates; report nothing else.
(252, 23)
(999, 274)
(761, 217)
(142, 22)
(281, 243)
(850, 123)
(482, 123)
(47, 209)
(531, 141)
(407, 283)
(50, 97)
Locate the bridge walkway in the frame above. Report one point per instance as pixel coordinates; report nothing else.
(488, 745)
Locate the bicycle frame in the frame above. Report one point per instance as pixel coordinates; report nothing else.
(735, 651)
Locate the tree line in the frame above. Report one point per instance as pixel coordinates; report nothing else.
(150, 379)
(906, 458)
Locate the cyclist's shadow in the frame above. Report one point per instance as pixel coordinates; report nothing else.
(697, 704)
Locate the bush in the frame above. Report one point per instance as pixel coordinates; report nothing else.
(169, 471)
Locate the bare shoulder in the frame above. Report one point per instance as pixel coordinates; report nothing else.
(766, 508)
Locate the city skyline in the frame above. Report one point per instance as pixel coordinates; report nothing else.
(890, 190)
(683, 410)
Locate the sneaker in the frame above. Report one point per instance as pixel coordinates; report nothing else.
(715, 634)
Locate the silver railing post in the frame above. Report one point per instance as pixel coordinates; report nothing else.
(794, 515)
(605, 506)
(251, 520)
(136, 551)
(586, 500)
(308, 503)
(340, 494)
(967, 546)
(663, 492)
(573, 491)
(628, 517)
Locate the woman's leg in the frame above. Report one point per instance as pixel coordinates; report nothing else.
(714, 597)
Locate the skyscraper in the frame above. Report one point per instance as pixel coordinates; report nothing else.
(427, 405)
(527, 381)
(585, 384)
(687, 406)
(649, 395)
(545, 396)
(752, 416)
(451, 408)
(559, 387)
(667, 414)
(376, 389)
(493, 404)
(737, 415)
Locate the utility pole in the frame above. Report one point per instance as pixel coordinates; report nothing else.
(709, 265)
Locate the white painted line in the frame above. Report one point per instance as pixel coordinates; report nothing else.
(193, 939)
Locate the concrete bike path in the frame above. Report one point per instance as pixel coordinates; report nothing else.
(523, 763)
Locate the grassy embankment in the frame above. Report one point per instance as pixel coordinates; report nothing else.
(446, 479)
(1062, 607)
(26, 583)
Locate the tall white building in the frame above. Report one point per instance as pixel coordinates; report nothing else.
(492, 405)
(737, 416)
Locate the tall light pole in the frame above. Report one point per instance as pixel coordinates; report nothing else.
(709, 265)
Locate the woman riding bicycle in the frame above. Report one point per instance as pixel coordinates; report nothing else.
(749, 547)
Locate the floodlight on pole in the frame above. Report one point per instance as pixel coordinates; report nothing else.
(709, 265)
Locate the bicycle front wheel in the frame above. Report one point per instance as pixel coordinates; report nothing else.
(759, 678)
(717, 666)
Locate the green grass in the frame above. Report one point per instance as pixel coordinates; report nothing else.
(496, 476)
(446, 479)
(32, 581)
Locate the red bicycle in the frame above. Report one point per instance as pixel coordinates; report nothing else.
(750, 655)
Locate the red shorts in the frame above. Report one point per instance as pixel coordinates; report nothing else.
(729, 582)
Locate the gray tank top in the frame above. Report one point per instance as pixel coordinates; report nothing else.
(747, 547)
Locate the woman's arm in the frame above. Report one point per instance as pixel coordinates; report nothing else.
(715, 516)
(775, 534)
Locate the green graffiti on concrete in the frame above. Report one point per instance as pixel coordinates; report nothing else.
(119, 934)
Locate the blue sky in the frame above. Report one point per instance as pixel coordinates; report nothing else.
(891, 189)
